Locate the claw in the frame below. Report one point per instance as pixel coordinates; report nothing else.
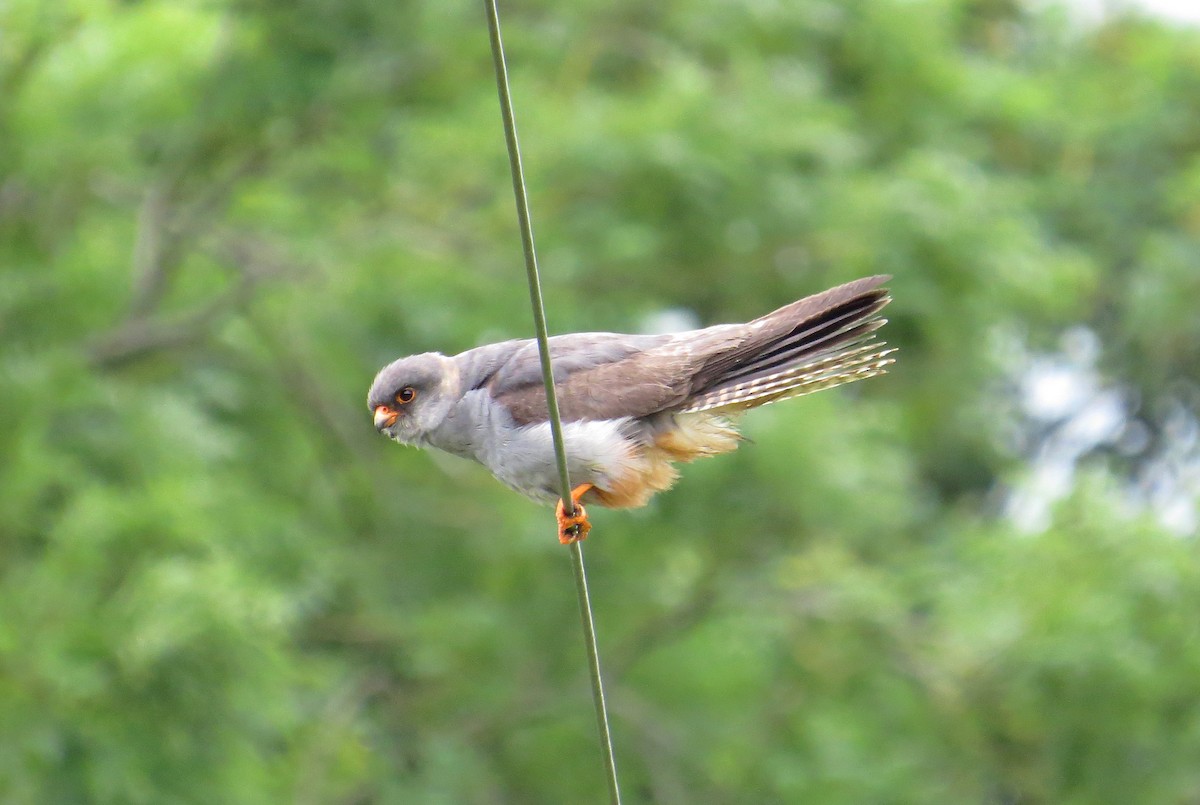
(575, 526)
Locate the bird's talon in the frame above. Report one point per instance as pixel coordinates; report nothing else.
(575, 526)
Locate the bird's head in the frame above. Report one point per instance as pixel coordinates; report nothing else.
(412, 396)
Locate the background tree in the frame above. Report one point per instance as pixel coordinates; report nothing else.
(218, 218)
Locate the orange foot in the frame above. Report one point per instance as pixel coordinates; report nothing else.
(573, 527)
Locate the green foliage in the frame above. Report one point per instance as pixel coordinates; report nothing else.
(217, 219)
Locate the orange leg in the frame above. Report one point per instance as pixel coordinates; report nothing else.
(573, 527)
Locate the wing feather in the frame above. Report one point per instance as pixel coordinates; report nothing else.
(817, 342)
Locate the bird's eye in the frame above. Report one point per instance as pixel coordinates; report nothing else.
(406, 395)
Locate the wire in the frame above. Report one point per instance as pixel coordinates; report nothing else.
(560, 453)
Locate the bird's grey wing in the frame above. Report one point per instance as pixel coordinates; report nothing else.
(596, 376)
(817, 342)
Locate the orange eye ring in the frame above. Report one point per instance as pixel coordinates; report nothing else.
(406, 395)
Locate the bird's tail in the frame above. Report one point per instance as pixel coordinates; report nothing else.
(819, 342)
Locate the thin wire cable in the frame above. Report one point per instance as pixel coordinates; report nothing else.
(560, 453)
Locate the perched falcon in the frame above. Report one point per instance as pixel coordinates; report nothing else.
(631, 405)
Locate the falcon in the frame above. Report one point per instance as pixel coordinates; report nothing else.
(632, 406)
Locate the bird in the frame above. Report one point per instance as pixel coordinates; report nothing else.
(631, 406)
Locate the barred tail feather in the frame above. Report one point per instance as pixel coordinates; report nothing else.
(830, 335)
(858, 363)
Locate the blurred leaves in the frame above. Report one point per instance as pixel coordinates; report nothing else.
(218, 218)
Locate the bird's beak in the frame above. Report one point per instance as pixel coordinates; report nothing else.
(384, 417)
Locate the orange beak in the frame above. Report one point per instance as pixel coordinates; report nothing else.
(384, 417)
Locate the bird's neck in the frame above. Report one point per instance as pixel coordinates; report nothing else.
(469, 428)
